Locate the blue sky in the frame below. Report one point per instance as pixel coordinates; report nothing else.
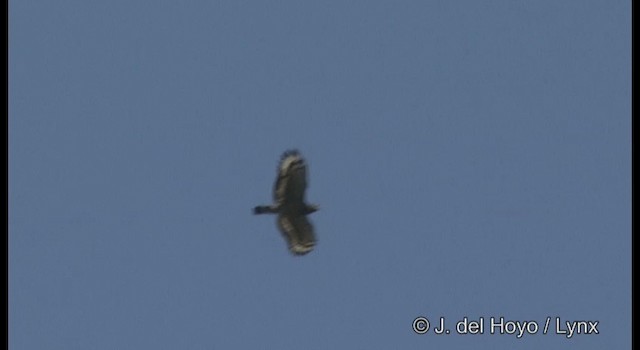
(471, 158)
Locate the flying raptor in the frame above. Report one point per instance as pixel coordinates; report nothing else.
(289, 204)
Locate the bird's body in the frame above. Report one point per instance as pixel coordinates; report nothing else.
(289, 204)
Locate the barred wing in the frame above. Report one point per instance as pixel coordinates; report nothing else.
(298, 232)
(291, 182)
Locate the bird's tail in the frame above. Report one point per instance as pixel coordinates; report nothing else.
(265, 209)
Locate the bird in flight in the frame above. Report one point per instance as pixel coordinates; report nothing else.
(289, 204)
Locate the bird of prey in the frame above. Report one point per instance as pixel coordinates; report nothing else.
(289, 204)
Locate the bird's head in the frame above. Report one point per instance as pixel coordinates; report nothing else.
(311, 208)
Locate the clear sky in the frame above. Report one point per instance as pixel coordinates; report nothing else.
(470, 158)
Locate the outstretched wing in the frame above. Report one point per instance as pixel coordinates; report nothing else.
(298, 232)
(291, 182)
